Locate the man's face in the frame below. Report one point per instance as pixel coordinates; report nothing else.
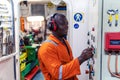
(62, 27)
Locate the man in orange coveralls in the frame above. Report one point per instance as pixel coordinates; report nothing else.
(55, 55)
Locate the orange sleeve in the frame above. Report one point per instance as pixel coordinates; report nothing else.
(71, 69)
(49, 57)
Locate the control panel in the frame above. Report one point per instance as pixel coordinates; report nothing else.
(112, 47)
(91, 44)
(112, 41)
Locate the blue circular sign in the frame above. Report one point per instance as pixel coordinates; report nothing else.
(78, 17)
(76, 26)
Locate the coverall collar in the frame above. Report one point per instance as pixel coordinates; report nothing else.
(52, 37)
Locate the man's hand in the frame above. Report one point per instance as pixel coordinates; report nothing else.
(86, 54)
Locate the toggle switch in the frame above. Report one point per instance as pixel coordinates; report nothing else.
(87, 72)
(88, 33)
(88, 42)
(93, 29)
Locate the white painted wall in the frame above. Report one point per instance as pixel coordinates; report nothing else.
(78, 37)
(107, 5)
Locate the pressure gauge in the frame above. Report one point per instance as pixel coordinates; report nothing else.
(56, 2)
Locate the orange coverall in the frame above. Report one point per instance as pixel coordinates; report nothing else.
(52, 57)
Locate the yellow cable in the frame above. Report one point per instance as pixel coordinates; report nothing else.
(116, 17)
(110, 18)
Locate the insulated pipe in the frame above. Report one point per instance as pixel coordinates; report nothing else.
(113, 74)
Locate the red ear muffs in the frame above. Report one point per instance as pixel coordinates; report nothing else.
(54, 25)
